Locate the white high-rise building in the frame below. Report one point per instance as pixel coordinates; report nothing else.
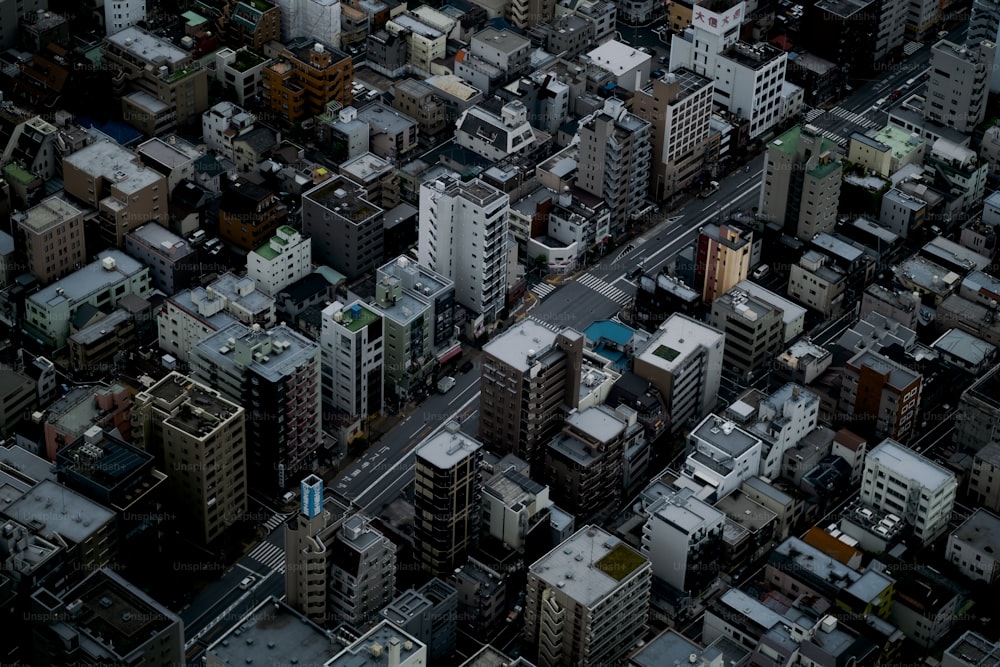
(961, 78)
(901, 481)
(121, 14)
(463, 236)
(749, 78)
(319, 20)
(285, 258)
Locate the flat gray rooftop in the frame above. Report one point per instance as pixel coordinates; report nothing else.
(276, 631)
(50, 508)
(91, 279)
(445, 449)
(905, 463)
(360, 653)
(113, 163)
(148, 47)
(48, 214)
(298, 350)
(981, 531)
(599, 421)
(513, 346)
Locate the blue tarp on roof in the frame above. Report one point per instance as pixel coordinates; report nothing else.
(121, 132)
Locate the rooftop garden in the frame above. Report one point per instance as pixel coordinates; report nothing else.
(619, 562)
(245, 60)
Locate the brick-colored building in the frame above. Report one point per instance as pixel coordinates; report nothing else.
(300, 82)
(249, 215)
(52, 233)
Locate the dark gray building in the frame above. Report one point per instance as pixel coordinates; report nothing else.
(346, 229)
(430, 614)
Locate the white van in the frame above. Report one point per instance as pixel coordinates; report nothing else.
(247, 582)
(761, 271)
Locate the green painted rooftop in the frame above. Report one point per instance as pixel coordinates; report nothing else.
(620, 562)
(19, 174)
(194, 18)
(359, 323)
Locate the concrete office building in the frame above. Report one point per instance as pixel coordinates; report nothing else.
(463, 237)
(352, 341)
(721, 456)
(430, 615)
(528, 374)
(753, 329)
(614, 160)
(971, 650)
(984, 478)
(285, 258)
(974, 547)
(345, 228)
(110, 621)
(198, 439)
(274, 375)
(513, 503)
(881, 394)
(801, 182)
(959, 84)
(898, 480)
(172, 261)
(679, 110)
(49, 312)
(447, 499)
(978, 415)
(52, 233)
(588, 600)
(684, 362)
(722, 259)
(111, 179)
(161, 86)
(121, 14)
(682, 538)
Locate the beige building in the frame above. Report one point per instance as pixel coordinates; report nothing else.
(722, 259)
(801, 182)
(588, 600)
(446, 511)
(528, 374)
(53, 239)
(199, 441)
(959, 84)
(161, 86)
(679, 109)
(113, 180)
(753, 329)
(818, 283)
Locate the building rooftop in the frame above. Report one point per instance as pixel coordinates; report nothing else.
(455, 86)
(683, 510)
(415, 277)
(506, 41)
(589, 565)
(114, 163)
(900, 377)
(899, 141)
(202, 410)
(973, 650)
(170, 155)
(366, 167)
(147, 47)
(282, 350)
(273, 631)
(981, 531)
(50, 213)
(963, 345)
(908, 464)
(94, 332)
(724, 435)
(955, 254)
(753, 56)
(618, 57)
(515, 346)
(345, 200)
(372, 648)
(677, 338)
(354, 317)
(91, 279)
(667, 648)
(51, 509)
(447, 448)
(15, 457)
(162, 241)
(600, 422)
(384, 119)
(235, 290)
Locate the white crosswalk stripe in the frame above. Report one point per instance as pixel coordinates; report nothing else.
(603, 288)
(269, 555)
(274, 522)
(542, 290)
(813, 115)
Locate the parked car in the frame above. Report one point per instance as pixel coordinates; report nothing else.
(761, 271)
(709, 190)
(466, 367)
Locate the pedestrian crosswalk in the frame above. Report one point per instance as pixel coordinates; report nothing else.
(542, 290)
(856, 118)
(604, 288)
(814, 114)
(274, 522)
(269, 555)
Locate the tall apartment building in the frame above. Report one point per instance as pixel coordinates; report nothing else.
(48, 313)
(447, 500)
(345, 228)
(249, 214)
(463, 236)
(684, 362)
(121, 14)
(679, 110)
(529, 375)
(959, 83)
(118, 624)
(682, 538)
(52, 237)
(299, 83)
(274, 375)
(111, 179)
(753, 328)
(161, 85)
(588, 600)
(614, 160)
(417, 307)
(722, 259)
(881, 394)
(285, 258)
(172, 261)
(320, 18)
(198, 439)
(748, 78)
(529, 13)
(899, 480)
(802, 182)
(338, 568)
(352, 340)
(858, 35)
